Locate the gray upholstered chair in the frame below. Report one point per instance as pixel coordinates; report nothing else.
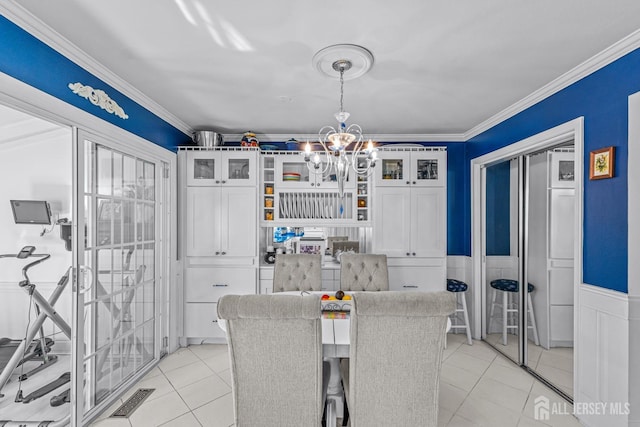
(363, 272)
(297, 272)
(275, 346)
(393, 372)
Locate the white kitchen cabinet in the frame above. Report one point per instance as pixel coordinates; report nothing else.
(221, 221)
(410, 222)
(221, 167)
(410, 217)
(409, 166)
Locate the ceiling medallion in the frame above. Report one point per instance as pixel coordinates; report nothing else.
(98, 97)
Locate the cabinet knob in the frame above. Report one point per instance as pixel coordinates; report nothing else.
(217, 181)
(409, 286)
(312, 184)
(218, 253)
(224, 253)
(408, 254)
(220, 285)
(224, 182)
(414, 254)
(408, 182)
(318, 185)
(414, 183)
(214, 321)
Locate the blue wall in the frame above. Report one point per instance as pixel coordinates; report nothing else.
(27, 59)
(498, 209)
(601, 98)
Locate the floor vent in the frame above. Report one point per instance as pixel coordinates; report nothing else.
(131, 404)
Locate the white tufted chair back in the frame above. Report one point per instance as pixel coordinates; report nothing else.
(364, 272)
(297, 272)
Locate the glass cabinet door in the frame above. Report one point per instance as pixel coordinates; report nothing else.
(393, 169)
(239, 168)
(428, 169)
(203, 168)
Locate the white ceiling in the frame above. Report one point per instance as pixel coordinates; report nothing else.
(440, 67)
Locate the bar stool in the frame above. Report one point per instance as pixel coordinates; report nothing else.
(460, 288)
(509, 287)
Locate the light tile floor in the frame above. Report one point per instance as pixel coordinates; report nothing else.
(478, 387)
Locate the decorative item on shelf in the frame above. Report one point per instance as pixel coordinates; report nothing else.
(291, 144)
(268, 189)
(249, 140)
(208, 138)
(336, 141)
(268, 216)
(268, 202)
(362, 203)
(290, 176)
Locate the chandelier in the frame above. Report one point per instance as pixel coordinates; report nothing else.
(344, 146)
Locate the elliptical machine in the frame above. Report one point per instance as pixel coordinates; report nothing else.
(44, 309)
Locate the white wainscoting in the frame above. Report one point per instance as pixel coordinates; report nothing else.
(602, 356)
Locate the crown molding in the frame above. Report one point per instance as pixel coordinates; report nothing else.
(591, 65)
(405, 137)
(37, 28)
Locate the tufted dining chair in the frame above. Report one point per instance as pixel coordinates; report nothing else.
(297, 272)
(392, 375)
(275, 348)
(363, 272)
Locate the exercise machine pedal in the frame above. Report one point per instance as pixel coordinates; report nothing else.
(48, 388)
(62, 398)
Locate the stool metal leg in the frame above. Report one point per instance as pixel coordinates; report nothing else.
(533, 319)
(466, 318)
(505, 314)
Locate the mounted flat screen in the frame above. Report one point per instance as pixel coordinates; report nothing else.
(31, 212)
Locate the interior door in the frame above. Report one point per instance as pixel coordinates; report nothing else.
(115, 310)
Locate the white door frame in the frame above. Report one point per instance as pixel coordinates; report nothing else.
(23, 97)
(573, 129)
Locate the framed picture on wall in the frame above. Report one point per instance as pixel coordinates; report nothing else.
(601, 163)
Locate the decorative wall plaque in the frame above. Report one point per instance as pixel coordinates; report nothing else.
(98, 97)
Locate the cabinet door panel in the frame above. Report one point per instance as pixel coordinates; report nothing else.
(201, 320)
(393, 169)
(203, 168)
(392, 221)
(429, 169)
(209, 284)
(425, 279)
(239, 221)
(202, 222)
(239, 168)
(561, 322)
(428, 222)
(561, 223)
(561, 286)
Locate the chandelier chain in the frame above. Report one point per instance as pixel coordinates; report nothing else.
(341, 89)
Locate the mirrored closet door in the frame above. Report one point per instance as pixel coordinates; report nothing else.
(529, 213)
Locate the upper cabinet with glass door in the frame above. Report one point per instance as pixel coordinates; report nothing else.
(222, 166)
(409, 166)
(291, 172)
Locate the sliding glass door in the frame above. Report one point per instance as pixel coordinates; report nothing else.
(117, 262)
